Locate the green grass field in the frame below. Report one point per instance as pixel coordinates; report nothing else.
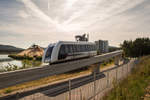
(133, 87)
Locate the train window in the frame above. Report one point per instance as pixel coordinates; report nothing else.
(66, 49)
(71, 48)
(62, 49)
(49, 52)
(62, 52)
(93, 47)
(88, 49)
(82, 48)
(78, 48)
(74, 48)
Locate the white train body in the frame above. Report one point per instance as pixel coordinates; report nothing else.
(65, 50)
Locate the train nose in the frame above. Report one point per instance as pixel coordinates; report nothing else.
(46, 60)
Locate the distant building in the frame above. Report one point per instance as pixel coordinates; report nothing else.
(102, 46)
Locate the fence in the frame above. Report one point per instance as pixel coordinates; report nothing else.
(93, 90)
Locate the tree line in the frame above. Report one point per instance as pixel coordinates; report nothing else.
(138, 47)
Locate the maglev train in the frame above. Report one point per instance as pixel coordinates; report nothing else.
(66, 51)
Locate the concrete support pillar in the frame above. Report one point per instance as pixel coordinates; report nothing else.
(124, 60)
(116, 62)
(96, 68)
(95, 71)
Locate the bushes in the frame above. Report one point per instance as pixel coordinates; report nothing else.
(25, 64)
(105, 63)
(8, 90)
(133, 87)
(14, 56)
(136, 48)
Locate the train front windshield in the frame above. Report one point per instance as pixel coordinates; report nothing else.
(49, 52)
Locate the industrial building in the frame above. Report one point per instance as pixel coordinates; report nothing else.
(102, 46)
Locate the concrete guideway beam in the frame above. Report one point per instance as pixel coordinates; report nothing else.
(25, 75)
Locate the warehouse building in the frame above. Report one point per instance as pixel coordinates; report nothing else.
(102, 46)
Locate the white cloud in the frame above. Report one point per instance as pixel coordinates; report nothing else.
(98, 10)
(23, 14)
(61, 20)
(81, 13)
(36, 12)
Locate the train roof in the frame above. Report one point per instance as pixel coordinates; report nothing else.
(69, 42)
(75, 42)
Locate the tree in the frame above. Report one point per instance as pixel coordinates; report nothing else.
(136, 48)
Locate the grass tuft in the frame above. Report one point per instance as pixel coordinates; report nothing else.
(9, 90)
(133, 87)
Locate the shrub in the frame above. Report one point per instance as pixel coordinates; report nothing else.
(133, 87)
(8, 90)
(14, 56)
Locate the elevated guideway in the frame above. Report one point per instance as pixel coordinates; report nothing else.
(6, 59)
(25, 75)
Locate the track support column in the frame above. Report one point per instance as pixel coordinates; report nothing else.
(116, 62)
(96, 68)
(95, 71)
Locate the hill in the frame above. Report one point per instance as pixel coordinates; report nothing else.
(33, 52)
(9, 49)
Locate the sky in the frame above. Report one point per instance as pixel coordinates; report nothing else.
(24, 22)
